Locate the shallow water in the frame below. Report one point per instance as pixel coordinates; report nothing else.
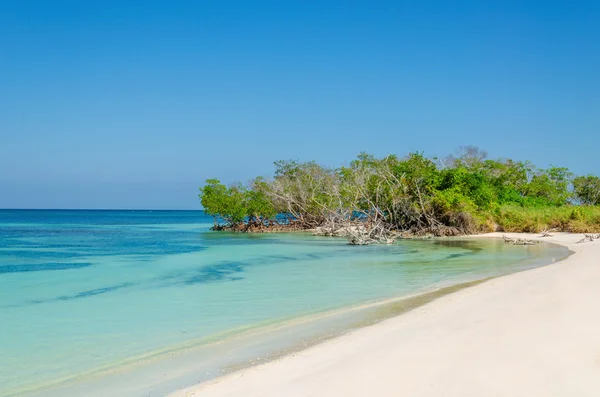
(82, 291)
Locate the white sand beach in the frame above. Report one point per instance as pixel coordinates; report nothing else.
(532, 334)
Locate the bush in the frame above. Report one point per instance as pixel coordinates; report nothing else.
(466, 194)
(515, 218)
(586, 189)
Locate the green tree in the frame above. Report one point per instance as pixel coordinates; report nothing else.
(586, 189)
(550, 186)
(465, 194)
(223, 203)
(237, 204)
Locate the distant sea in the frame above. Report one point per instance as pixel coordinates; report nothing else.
(86, 296)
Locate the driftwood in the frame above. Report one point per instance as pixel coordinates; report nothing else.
(370, 234)
(589, 237)
(359, 232)
(546, 233)
(519, 241)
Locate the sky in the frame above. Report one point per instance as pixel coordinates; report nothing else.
(133, 104)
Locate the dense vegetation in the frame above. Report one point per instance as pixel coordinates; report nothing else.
(461, 194)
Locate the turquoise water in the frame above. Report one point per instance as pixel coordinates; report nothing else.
(82, 291)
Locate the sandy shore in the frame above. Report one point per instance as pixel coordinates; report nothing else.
(534, 333)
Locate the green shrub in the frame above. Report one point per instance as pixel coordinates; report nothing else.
(468, 194)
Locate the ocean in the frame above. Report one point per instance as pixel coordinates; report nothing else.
(112, 298)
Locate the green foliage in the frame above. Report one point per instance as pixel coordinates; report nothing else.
(235, 204)
(569, 218)
(466, 193)
(473, 185)
(258, 206)
(304, 191)
(550, 186)
(586, 189)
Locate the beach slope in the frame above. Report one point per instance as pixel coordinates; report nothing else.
(534, 333)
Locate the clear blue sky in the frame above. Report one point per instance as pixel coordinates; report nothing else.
(125, 104)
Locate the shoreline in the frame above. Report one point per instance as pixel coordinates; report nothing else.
(347, 319)
(163, 372)
(415, 352)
